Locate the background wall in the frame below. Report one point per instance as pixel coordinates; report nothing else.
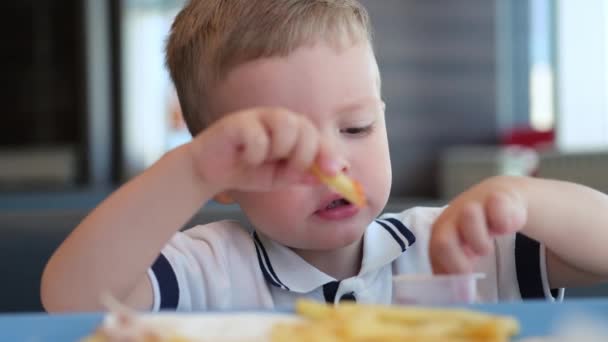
(438, 64)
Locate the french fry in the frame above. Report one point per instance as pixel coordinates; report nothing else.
(369, 323)
(344, 185)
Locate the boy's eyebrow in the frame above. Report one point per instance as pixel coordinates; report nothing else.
(358, 105)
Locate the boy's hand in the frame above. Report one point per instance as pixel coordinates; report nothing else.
(259, 150)
(467, 227)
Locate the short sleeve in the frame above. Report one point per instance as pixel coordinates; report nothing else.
(515, 270)
(519, 272)
(163, 278)
(195, 270)
(419, 221)
(531, 268)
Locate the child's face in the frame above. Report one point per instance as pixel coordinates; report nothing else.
(339, 92)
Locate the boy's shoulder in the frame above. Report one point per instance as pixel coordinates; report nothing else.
(401, 239)
(220, 229)
(221, 236)
(416, 218)
(412, 226)
(205, 266)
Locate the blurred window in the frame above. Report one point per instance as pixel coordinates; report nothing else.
(582, 74)
(151, 116)
(542, 115)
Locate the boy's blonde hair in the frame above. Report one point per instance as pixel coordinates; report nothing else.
(210, 37)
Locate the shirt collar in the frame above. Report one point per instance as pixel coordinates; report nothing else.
(383, 242)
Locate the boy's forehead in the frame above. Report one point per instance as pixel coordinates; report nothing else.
(319, 78)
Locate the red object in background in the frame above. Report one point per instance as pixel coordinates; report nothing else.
(529, 137)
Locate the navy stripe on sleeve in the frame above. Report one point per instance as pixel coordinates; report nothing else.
(407, 234)
(393, 234)
(167, 283)
(527, 266)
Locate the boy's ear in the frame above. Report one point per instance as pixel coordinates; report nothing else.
(223, 198)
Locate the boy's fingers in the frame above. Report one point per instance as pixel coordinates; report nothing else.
(504, 213)
(287, 176)
(474, 230)
(309, 179)
(306, 147)
(468, 252)
(254, 142)
(447, 255)
(282, 127)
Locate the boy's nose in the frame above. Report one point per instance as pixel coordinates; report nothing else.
(344, 165)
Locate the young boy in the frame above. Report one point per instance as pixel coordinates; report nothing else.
(268, 88)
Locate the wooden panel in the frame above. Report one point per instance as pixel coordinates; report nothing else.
(437, 60)
(42, 67)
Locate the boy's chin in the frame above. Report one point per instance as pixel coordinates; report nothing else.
(336, 240)
(345, 240)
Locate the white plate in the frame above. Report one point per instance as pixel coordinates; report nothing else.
(220, 327)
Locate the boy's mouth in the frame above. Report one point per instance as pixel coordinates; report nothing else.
(337, 203)
(332, 201)
(336, 208)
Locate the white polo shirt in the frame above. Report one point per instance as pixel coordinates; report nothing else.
(221, 266)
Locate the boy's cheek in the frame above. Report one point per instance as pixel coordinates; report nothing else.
(276, 204)
(375, 166)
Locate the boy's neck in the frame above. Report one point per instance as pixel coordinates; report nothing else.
(339, 263)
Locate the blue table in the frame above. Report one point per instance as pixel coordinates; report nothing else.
(536, 319)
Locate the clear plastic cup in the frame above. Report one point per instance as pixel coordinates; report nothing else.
(429, 289)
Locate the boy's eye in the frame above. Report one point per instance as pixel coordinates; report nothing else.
(357, 130)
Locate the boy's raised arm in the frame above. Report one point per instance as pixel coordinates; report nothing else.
(571, 220)
(260, 149)
(112, 247)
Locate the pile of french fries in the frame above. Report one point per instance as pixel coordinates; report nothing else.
(369, 323)
(347, 322)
